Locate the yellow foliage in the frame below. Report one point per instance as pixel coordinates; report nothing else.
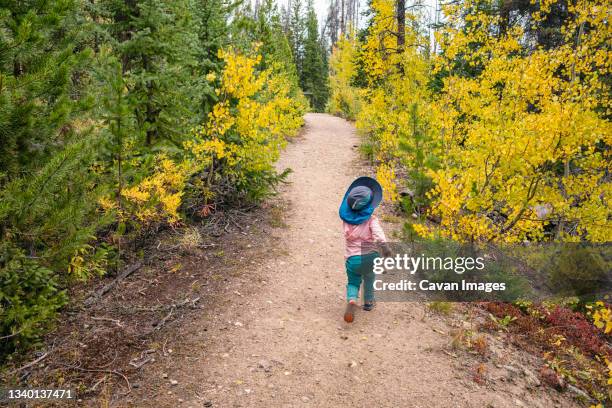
(396, 105)
(344, 98)
(533, 135)
(385, 176)
(158, 196)
(602, 317)
(520, 145)
(247, 128)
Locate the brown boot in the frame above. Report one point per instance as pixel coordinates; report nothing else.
(349, 313)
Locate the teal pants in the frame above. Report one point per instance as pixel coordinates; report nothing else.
(358, 268)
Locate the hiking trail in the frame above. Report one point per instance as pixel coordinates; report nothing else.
(286, 345)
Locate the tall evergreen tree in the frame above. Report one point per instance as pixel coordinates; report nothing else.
(158, 46)
(314, 77)
(296, 32)
(212, 17)
(276, 47)
(38, 57)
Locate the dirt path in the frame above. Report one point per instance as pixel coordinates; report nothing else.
(286, 345)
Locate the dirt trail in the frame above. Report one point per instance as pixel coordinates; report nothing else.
(285, 345)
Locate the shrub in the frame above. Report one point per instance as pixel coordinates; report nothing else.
(344, 100)
(29, 298)
(441, 307)
(235, 150)
(577, 330)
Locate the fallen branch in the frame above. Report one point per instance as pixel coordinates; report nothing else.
(173, 307)
(93, 387)
(38, 360)
(160, 308)
(13, 334)
(108, 319)
(164, 320)
(126, 272)
(93, 370)
(140, 364)
(144, 359)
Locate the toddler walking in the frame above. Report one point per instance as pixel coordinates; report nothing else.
(363, 236)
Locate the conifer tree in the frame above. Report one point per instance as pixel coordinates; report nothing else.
(296, 33)
(38, 55)
(158, 45)
(275, 46)
(314, 78)
(212, 30)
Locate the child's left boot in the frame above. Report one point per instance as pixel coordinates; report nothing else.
(349, 313)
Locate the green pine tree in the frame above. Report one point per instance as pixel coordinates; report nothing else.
(213, 34)
(314, 76)
(296, 33)
(38, 57)
(275, 48)
(158, 45)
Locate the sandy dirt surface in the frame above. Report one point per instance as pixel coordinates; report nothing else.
(281, 341)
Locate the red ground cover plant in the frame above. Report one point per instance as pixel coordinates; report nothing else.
(568, 341)
(578, 331)
(560, 320)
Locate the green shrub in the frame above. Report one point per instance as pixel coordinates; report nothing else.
(580, 270)
(29, 299)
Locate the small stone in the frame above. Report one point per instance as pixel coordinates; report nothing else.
(264, 365)
(531, 378)
(287, 373)
(164, 375)
(247, 390)
(512, 370)
(352, 364)
(238, 324)
(173, 382)
(180, 400)
(578, 392)
(305, 399)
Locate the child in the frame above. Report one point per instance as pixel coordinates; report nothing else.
(363, 235)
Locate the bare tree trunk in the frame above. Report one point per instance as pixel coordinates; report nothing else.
(401, 24)
(342, 19)
(436, 21)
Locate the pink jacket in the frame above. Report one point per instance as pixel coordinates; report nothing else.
(362, 239)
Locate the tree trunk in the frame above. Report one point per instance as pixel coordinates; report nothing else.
(342, 19)
(401, 24)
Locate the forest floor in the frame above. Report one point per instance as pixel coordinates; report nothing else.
(264, 324)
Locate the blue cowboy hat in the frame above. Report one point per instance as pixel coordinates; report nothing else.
(361, 198)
